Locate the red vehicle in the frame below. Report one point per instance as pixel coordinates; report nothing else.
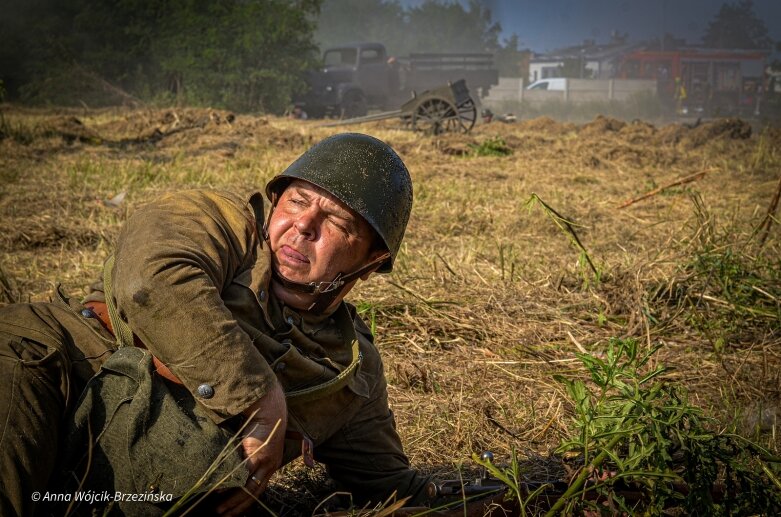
(713, 82)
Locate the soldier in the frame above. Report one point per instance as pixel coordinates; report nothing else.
(216, 324)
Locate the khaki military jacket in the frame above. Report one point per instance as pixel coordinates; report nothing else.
(191, 279)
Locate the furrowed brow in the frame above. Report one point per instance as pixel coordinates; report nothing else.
(344, 217)
(302, 192)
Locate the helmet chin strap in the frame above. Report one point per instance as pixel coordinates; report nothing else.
(325, 292)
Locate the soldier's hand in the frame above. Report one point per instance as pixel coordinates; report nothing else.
(263, 445)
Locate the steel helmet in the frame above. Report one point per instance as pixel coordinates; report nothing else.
(366, 175)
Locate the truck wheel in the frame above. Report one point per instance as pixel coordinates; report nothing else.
(353, 104)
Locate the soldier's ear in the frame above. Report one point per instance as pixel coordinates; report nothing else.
(374, 255)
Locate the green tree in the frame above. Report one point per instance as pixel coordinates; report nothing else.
(510, 60)
(349, 21)
(435, 26)
(238, 54)
(244, 55)
(432, 26)
(737, 26)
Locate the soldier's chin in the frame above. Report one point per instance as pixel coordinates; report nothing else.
(292, 274)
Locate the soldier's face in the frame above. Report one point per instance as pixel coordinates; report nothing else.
(314, 236)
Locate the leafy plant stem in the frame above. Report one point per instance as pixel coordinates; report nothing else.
(567, 227)
(584, 474)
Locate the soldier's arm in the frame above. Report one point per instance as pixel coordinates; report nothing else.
(173, 258)
(366, 456)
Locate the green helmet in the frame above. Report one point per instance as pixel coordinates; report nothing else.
(366, 175)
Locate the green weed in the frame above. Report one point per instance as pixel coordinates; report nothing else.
(636, 430)
(513, 477)
(765, 156)
(723, 288)
(369, 308)
(568, 228)
(495, 146)
(17, 131)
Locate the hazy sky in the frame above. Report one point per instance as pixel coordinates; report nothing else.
(543, 25)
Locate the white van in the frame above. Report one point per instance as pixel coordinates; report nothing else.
(556, 84)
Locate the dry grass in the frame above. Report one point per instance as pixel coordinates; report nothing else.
(489, 299)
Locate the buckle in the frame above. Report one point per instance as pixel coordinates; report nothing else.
(327, 287)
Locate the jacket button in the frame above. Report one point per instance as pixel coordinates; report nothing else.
(205, 391)
(279, 367)
(87, 313)
(262, 295)
(290, 320)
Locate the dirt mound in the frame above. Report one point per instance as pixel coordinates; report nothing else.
(544, 125)
(522, 130)
(70, 129)
(455, 144)
(165, 133)
(283, 138)
(152, 126)
(602, 125)
(671, 134)
(772, 133)
(637, 156)
(638, 131)
(202, 130)
(728, 128)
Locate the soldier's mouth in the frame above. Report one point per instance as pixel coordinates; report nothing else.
(291, 256)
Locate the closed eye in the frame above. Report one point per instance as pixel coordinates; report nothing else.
(340, 226)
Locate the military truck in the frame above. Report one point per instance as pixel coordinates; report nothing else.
(360, 76)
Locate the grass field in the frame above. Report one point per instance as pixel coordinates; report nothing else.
(492, 295)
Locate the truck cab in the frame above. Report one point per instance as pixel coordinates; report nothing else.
(352, 77)
(357, 76)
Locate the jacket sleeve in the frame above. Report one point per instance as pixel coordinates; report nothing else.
(366, 457)
(173, 258)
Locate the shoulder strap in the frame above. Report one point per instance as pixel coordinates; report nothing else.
(328, 387)
(340, 381)
(122, 330)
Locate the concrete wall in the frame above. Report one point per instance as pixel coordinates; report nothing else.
(511, 90)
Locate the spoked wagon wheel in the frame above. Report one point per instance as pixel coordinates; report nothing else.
(467, 115)
(438, 115)
(435, 116)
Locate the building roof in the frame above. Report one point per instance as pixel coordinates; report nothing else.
(618, 47)
(589, 51)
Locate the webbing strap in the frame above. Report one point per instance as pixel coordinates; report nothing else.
(121, 329)
(328, 387)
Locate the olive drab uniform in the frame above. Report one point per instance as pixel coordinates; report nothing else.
(191, 279)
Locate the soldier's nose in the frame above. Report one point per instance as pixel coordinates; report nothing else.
(305, 226)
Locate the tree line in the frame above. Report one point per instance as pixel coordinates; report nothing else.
(245, 55)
